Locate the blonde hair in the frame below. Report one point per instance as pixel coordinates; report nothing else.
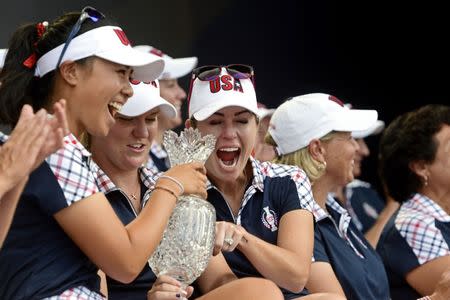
(85, 140)
(302, 158)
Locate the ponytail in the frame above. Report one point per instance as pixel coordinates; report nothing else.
(16, 79)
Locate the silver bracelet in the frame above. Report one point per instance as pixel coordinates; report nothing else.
(425, 298)
(176, 181)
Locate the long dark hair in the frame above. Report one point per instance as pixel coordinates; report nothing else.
(19, 86)
(410, 138)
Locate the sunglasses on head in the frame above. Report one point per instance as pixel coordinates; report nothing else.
(87, 13)
(212, 72)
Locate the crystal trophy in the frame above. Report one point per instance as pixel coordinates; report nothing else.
(188, 239)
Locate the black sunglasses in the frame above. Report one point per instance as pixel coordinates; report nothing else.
(87, 13)
(212, 72)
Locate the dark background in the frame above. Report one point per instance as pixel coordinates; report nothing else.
(387, 55)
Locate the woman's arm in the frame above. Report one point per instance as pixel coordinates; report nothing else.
(287, 263)
(34, 138)
(425, 277)
(322, 279)
(119, 251)
(442, 291)
(217, 273)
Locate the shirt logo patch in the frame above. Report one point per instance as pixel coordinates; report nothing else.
(269, 219)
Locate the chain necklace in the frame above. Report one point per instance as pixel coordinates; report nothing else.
(136, 196)
(135, 199)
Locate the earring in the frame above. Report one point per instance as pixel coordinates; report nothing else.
(322, 166)
(425, 180)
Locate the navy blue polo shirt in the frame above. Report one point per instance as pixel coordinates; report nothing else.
(275, 190)
(136, 290)
(363, 204)
(418, 233)
(357, 266)
(38, 259)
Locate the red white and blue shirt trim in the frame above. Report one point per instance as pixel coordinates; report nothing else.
(77, 293)
(261, 170)
(416, 224)
(73, 170)
(106, 185)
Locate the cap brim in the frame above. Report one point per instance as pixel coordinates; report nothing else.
(146, 66)
(168, 109)
(143, 107)
(178, 67)
(209, 110)
(355, 120)
(377, 127)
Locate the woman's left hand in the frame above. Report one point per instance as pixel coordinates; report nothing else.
(228, 236)
(167, 288)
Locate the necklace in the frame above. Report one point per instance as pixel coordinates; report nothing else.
(135, 195)
(135, 199)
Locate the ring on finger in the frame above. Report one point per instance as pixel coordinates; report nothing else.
(229, 241)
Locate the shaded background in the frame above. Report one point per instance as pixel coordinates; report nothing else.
(386, 55)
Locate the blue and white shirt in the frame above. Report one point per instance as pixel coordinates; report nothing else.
(38, 259)
(274, 191)
(357, 266)
(418, 233)
(138, 288)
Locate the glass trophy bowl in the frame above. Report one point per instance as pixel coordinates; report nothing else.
(188, 239)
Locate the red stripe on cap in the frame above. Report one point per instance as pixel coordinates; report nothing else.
(156, 52)
(122, 37)
(335, 99)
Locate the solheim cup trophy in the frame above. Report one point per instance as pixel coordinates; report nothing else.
(188, 239)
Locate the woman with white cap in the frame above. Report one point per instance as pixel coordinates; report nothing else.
(122, 176)
(313, 131)
(64, 229)
(264, 210)
(364, 204)
(171, 91)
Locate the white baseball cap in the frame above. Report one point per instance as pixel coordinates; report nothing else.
(109, 43)
(174, 67)
(376, 128)
(2, 57)
(301, 119)
(145, 97)
(208, 97)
